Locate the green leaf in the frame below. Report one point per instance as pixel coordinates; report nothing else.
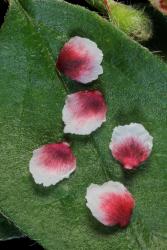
(8, 230)
(32, 97)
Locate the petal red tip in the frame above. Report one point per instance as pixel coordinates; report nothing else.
(110, 203)
(131, 145)
(51, 163)
(80, 60)
(84, 112)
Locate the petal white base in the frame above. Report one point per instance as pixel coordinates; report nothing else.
(77, 124)
(91, 75)
(95, 194)
(90, 47)
(42, 175)
(80, 127)
(75, 51)
(132, 130)
(135, 131)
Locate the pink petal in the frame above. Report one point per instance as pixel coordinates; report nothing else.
(110, 203)
(131, 145)
(80, 60)
(161, 5)
(51, 163)
(84, 112)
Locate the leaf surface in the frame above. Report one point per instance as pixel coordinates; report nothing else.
(134, 84)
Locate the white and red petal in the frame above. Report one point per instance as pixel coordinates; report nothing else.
(80, 60)
(84, 112)
(161, 5)
(110, 203)
(131, 145)
(51, 163)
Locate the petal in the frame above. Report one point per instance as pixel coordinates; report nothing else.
(110, 203)
(131, 145)
(51, 163)
(161, 5)
(80, 60)
(84, 112)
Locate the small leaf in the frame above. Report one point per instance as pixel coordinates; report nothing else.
(134, 22)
